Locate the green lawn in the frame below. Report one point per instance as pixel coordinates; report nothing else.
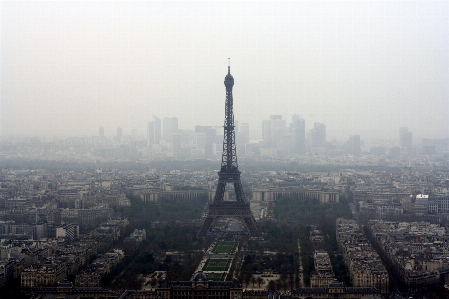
(225, 247)
(217, 265)
(216, 276)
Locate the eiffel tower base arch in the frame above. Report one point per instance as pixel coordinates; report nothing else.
(241, 212)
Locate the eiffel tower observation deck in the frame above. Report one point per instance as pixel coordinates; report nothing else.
(229, 174)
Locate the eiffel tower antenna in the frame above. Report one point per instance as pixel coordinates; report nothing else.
(229, 174)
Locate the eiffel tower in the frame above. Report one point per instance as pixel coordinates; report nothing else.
(229, 174)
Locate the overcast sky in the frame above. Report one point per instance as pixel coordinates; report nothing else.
(360, 67)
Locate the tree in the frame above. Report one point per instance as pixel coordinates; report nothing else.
(284, 285)
(253, 280)
(260, 281)
(278, 284)
(247, 279)
(271, 285)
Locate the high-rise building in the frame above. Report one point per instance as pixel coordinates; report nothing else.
(405, 137)
(317, 136)
(150, 133)
(405, 141)
(273, 131)
(176, 139)
(187, 136)
(354, 145)
(278, 129)
(299, 134)
(242, 138)
(207, 141)
(266, 133)
(157, 129)
(169, 128)
(200, 142)
(244, 132)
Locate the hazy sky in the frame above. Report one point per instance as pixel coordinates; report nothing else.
(360, 67)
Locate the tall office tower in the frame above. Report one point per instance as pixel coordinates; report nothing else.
(299, 134)
(229, 174)
(244, 132)
(119, 134)
(150, 134)
(207, 141)
(101, 132)
(354, 145)
(169, 127)
(405, 141)
(187, 136)
(266, 133)
(176, 139)
(242, 138)
(317, 136)
(278, 130)
(157, 129)
(405, 137)
(273, 131)
(201, 141)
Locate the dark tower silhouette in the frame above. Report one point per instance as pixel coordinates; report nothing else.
(229, 174)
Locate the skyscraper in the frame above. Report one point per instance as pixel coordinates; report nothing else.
(242, 138)
(169, 128)
(244, 132)
(157, 129)
(299, 134)
(150, 134)
(201, 141)
(273, 131)
(405, 141)
(176, 140)
(354, 145)
(207, 141)
(266, 133)
(405, 137)
(317, 136)
(278, 129)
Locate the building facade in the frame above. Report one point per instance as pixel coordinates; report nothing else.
(266, 194)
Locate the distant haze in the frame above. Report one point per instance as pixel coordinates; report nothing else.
(359, 67)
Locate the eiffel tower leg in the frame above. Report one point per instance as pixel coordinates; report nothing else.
(251, 225)
(220, 192)
(238, 189)
(206, 226)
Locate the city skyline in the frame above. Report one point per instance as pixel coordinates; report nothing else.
(360, 68)
(289, 127)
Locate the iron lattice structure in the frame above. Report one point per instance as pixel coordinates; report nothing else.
(229, 174)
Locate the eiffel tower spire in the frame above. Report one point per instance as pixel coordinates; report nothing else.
(229, 174)
(229, 156)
